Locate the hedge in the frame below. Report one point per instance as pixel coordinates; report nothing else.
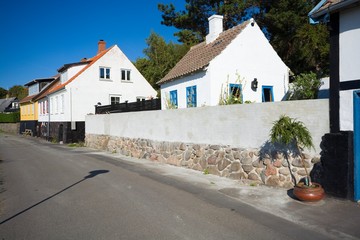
(10, 117)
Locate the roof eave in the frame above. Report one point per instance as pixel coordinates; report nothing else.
(38, 80)
(180, 76)
(316, 16)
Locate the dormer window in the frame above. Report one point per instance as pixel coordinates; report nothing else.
(104, 73)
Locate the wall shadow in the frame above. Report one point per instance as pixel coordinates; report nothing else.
(269, 149)
(91, 174)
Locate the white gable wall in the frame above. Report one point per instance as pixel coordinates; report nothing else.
(84, 92)
(249, 55)
(349, 62)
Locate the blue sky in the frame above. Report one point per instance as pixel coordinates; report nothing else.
(39, 36)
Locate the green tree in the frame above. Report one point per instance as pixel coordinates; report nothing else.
(3, 92)
(160, 58)
(193, 21)
(18, 91)
(301, 46)
(305, 86)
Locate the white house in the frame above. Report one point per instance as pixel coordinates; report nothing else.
(343, 18)
(238, 59)
(107, 78)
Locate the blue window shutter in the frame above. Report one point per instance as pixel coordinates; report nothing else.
(173, 97)
(191, 96)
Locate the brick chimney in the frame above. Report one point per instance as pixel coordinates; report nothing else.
(215, 28)
(101, 46)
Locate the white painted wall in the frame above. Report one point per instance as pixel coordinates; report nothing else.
(245, 125)
(250, 55)
(349, 62)
(83, 93)
(200, 79)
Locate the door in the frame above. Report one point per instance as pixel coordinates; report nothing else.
(357, 145)
(61, 132)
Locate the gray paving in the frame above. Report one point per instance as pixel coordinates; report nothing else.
(333, 218)
(336, 218)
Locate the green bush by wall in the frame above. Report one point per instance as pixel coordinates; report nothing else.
(10, 117)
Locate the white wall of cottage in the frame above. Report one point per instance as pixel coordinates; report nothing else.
(349, 62)
(249, 56)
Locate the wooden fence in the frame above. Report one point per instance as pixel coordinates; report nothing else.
(144, 105)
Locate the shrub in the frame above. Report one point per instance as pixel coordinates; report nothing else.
(305, 86)
(10, 117)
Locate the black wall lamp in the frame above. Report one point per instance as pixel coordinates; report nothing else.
(254, 84)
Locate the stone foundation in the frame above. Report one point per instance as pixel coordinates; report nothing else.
(262, 167)
(13, 128)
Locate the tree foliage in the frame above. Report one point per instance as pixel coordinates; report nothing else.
(193, 21)
(3, 92)
(301, 46)
(305, 86)
(18, 91)
(159, 58)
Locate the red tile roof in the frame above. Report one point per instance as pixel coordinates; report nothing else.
(199, 56)
(27, 99)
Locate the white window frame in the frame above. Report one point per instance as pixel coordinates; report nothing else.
(62, 101)
(106, 77)
(56, 104)
(114, 96)
(127, 75)
(52, 105)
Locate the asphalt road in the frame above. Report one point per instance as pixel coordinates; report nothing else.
(56, 192)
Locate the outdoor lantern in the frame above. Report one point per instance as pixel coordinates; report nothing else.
(254, 84)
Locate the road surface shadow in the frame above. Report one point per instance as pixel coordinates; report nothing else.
(90, 175)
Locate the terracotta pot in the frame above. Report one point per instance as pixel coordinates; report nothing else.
(310, 194)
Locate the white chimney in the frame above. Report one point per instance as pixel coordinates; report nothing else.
(215, 28)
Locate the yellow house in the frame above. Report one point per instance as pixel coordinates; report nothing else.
(29, 107)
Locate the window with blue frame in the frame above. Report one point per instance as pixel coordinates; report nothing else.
(267, 94)
(235, 92)
(191, 96)
(173, 98)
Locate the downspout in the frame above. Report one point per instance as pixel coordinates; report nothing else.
(71, 108)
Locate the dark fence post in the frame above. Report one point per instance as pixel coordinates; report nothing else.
(337, 160)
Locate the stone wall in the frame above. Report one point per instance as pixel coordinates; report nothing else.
(263, 166)
(13, 128)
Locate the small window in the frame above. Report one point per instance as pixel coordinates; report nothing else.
(267, 94)
(104, 73)
(125, 75)
(235, 91)
(114, 100)
(173, 98)
(62, 102)
(191, 96)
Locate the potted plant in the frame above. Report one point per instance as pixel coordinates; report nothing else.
(294, 134)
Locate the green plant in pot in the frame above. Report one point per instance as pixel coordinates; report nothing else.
(294, 134)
